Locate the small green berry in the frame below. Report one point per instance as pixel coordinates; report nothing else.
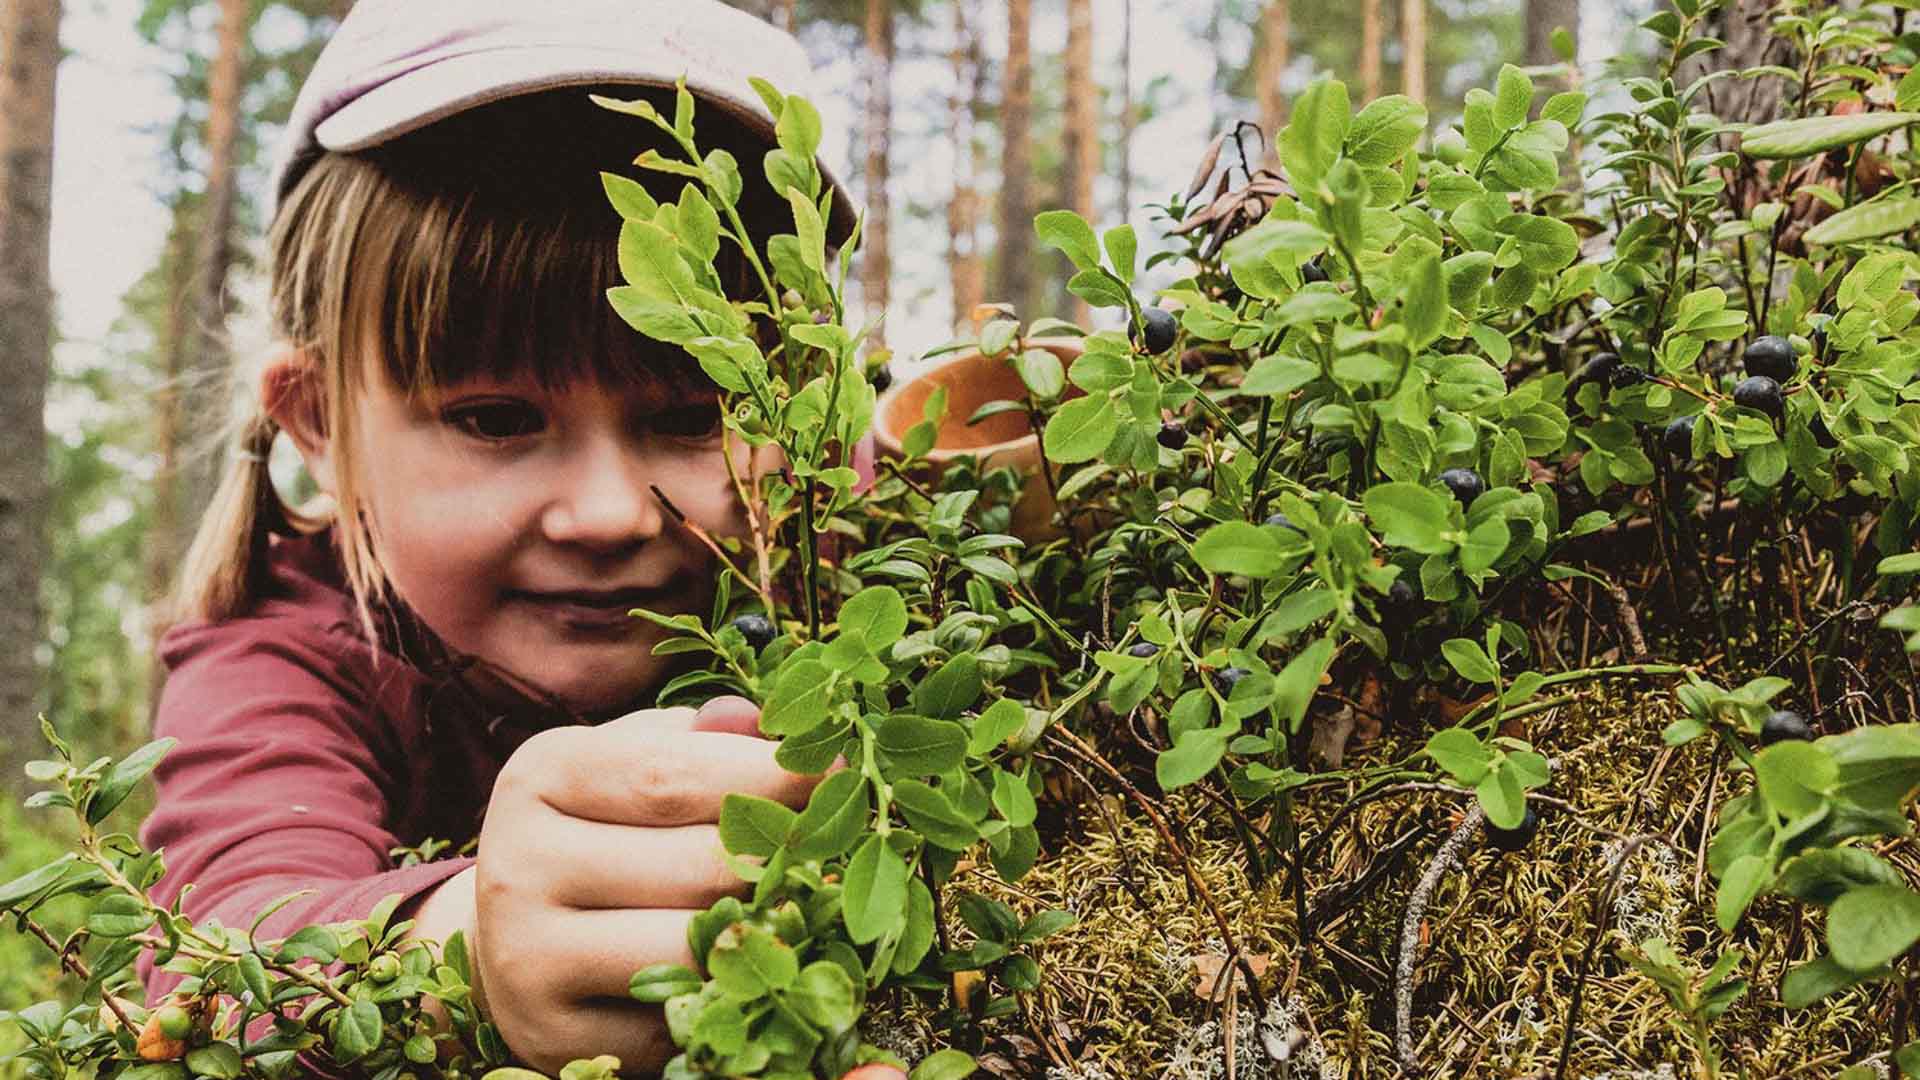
(420, 1050)
(173, 1021)
(384, 969)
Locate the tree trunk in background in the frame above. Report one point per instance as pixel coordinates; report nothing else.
(1543, 17)
(1269, 64)
(1082, 126)
(1127, 119)
(783, 16)
(1014, 258)
(29, 58)
(876, 264)
(1372, 30)
(1743, 25)
(1413, 49)
(209, 353)
(963, 209)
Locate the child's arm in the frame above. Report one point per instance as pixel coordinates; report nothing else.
(292, 770)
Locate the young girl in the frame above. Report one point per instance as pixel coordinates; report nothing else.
(447, 653)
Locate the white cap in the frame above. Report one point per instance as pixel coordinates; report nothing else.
(395, 66)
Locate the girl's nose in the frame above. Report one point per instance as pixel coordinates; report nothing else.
(604, 500)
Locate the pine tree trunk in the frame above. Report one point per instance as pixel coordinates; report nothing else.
(1413, 49)
(875, 258)
(1543, 17)
(1083, 124)
(29, 57)
(963, 209)
(783, 14)
(1372, 30)
(1014, 257)
(1127, 119)
(208, 356)
(1270, 63)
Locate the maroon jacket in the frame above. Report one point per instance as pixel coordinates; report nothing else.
(305, 755)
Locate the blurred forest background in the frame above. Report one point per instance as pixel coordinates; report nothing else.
(134, 141)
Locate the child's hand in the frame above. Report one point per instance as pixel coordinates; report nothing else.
(600, 845)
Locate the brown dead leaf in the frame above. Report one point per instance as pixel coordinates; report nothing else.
(1207, 970)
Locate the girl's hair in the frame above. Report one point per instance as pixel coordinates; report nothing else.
(482, 245)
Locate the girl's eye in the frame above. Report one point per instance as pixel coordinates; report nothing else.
(496, 421)
(689, 421)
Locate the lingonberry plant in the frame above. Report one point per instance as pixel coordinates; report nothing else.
(1406, 413)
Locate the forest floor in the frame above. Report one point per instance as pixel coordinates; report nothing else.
(1134, 989)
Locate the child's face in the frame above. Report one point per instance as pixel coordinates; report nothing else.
(519, 524)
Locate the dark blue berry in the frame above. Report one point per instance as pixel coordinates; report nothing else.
(1782, 725)
(1678, 437)
(1173, 435)
(1160, 329)
(1517, 837)
(1143, 649)
(756, 629)
(1759, 392)
(1771, 356)
(1465, 484)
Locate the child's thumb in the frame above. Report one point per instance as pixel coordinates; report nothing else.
(732, 714)
(875, 1071)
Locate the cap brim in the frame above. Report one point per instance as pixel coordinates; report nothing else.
(417, 98)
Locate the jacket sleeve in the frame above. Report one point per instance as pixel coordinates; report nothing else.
(283, 780)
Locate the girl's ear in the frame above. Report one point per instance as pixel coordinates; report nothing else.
(292, 394)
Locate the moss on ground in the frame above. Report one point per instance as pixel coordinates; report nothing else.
(1504, 933)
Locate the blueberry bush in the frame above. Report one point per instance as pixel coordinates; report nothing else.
(1334, 523)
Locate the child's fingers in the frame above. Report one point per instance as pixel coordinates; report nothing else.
(632, 772)
(591, 866)
(602, 949)
(733, 715)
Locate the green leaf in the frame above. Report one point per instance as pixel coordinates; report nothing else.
(1794, 777)
(1276, 375)
(1312, 139)
(1122, 251)
(1908, 563)
(1194, 754)
(1877, 766)
(801, 700)
(215, 1061)
(835, 817)
(1545, 245)
(1099, 290)
(1426, 303)
(125, 774)
(1294, 687)
(356, 1031)
(1868, 221)
(876, 615)
(918, 745)
(1908, 1056)
(119, 915)
(656, 983)
(1501, 797)
(1081, 429)
(751, 825)
(944, 1065)
(1460, 753)
(995, 726)
(1012, 798)
(1411, 516)
(1239, 547)
(33, 881)
(1513, 97)
(1817, 134)
(1814, 980)
(824, 994)
(1744, 880)
(875, 897)
(1069, 232)
(748, 961)
(1868, 927)
(1043, 373)
(951, 689)
(1470, 660)
(933, 815)
(1385, 130)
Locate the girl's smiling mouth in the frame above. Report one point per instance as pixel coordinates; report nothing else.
(601, 612)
